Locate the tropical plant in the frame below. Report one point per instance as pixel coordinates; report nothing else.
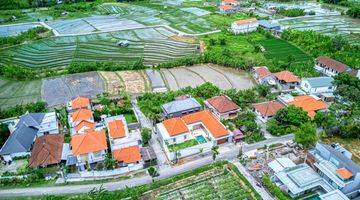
(215, 152)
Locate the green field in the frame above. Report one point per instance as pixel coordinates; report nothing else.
(13, 93)
(284, 54)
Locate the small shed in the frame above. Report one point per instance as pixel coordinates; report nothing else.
(148, 155)
(237, 135)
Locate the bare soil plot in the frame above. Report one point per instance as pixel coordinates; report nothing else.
(135, 82)
(186, 78)
(238, 79)
(211, 75)
(60, 90)
(169, 79)
(14, 93)
(113, 82)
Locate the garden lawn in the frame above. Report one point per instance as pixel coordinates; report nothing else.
(130, 118)
(184, 145)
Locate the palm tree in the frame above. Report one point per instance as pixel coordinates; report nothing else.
(215, 152)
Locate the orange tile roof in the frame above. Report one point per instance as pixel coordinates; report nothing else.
(175, 126)
(268, 109)
(286, 76)
(209, 121)
(88, 126)
(230, 1)
(80, 102)
(344, 173)
(128, 155)
(262, 71)
(245, 21)
(81, 114)
(308, 104)
(226, 7)
(116, 129)
(222, 104)
(89, 142)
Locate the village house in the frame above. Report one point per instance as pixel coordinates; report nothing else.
(317, 85)
(180, 107)
(25, 130)
(244, 25)
(88, 149)
(47, 151)
(229, 6)
(331, 67)
(309, 103)
(287, 80)
(222, 107)
(267, 110)
(79, 103)
(226, 9)
(79, 116)
(262, 75)
(199, 131)
(334, 164)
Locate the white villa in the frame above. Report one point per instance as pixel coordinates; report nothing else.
(244, 25)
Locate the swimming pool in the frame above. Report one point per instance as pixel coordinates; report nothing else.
(201, 139)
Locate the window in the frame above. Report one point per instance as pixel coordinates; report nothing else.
(185, 137)
(174, 139)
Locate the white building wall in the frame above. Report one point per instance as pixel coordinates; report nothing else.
(244, 28)
(310, 90)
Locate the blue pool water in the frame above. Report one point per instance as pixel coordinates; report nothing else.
(200, 139)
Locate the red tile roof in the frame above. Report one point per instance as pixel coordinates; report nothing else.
(286, 76)
(226, 7)
(175, 126)
(47, 150)
(308, 104)
(229, 1)
(333, 64)
(81, 114)
(268, 109)
(89, 142)
(116, 129)
(262, 71)
(128, 154)
(80, 102)
(215, 127)
(85, 125)
(344, 173)
(222, 104)
(245, 21)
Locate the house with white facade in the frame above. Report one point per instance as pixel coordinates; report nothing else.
(266, 110)
(244, 25)
(229, 6)
(317, 85)
(25, 130)
(262, 75)
(222, 107)
(198, 132)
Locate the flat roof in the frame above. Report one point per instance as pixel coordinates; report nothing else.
(334, 195)
(280, 164)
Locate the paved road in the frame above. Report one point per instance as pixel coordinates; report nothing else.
(226, 153)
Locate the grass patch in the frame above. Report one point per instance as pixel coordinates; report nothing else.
(184, 145)
(130, 118)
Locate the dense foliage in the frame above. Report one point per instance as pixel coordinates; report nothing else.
(145, 136)
(354, 11)
(287, 120)
(348, 87)
(4, 133)
(247, 122)
(77, 67)
(21, 4)
(294, 12)
(321, 45)
(273, 189)
(31, 34)
(306, 135)
(22, 109)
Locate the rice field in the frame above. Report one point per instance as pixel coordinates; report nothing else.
(14, 93)
(153, 44)
(13, 30)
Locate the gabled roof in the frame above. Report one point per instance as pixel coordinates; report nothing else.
(333, 64)
(22, 138)
(116, 129)
(316, 82)
(88, 142)
(226, 7)
(88, 126)
(80, 102)
(286, 76)
(308, 104)
(175, 126)
(268, 109)
(245, 21)
(47, 150)
(222, 104)
(215, 127)
(81, 114)
(262, 71)
(128, 154)
(180, 105)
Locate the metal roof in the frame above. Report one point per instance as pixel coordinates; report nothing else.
(319, 81)
(180, 105)
(280, 164)
(268, 24)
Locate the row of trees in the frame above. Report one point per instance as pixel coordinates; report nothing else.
(21, 4)
(293, 12)
(31, 34)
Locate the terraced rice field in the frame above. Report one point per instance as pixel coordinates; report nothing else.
(14, 93)
(60, 90)
(135, 81)
(213, 184)
(189, 21)
(113, 83)
(12, 30)
(225, 78)
(153, 44)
